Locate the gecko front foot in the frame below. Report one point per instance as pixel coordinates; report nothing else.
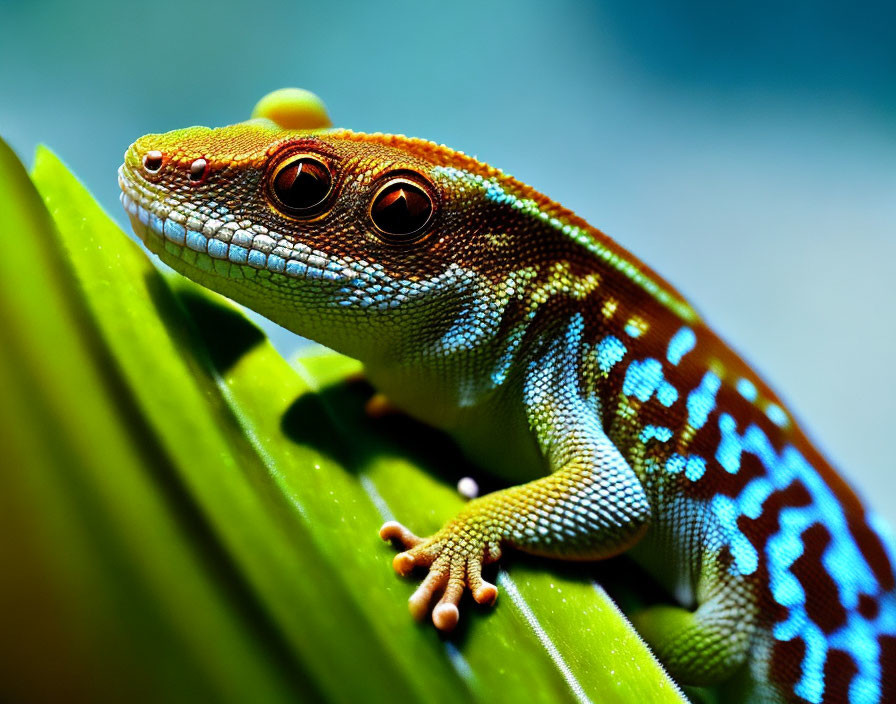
(455, 556)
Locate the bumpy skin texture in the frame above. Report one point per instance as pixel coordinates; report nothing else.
(558, 360)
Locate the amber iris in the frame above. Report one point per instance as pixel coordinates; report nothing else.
(301, 185)
(401, 210)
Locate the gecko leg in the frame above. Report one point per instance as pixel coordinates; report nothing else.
(704, 646)
(590, 507)
(700, 647)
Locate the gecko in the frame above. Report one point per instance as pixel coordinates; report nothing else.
(562, 365)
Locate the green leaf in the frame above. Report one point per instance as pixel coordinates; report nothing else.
(186, 516)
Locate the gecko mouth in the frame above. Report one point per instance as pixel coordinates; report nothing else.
(208, 238)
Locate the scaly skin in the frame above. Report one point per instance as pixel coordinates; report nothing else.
(561, 363)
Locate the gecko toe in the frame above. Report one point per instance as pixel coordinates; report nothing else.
(420, 600)
(393, 530)
(484, 592)
(403, 563)
(445, 616)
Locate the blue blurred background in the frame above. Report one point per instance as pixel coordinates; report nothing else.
(745, 150)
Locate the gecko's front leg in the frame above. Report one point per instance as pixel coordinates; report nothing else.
(590, 507)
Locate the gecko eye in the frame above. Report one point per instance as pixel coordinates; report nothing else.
(401, 210)
(301, 184)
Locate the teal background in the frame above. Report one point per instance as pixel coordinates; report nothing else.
(745, 150)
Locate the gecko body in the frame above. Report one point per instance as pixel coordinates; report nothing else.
(559, 362)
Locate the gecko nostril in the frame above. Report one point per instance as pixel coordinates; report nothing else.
(152, 161)
(198, 169)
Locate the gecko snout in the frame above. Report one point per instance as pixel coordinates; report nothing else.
(153, 162)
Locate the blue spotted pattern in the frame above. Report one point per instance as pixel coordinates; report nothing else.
(702, 400)
(776, 414)
(747, 389)
(610, 352)
(695, 468)
(842, 560)
(725, 510)
(681, 343)
(643, 378)
(656, 432)
(692, 466)
(633, 330)
(666, 393)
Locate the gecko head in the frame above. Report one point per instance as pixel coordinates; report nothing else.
(350, 239)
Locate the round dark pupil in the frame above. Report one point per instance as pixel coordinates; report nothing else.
(401, 209)
(303, 184)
